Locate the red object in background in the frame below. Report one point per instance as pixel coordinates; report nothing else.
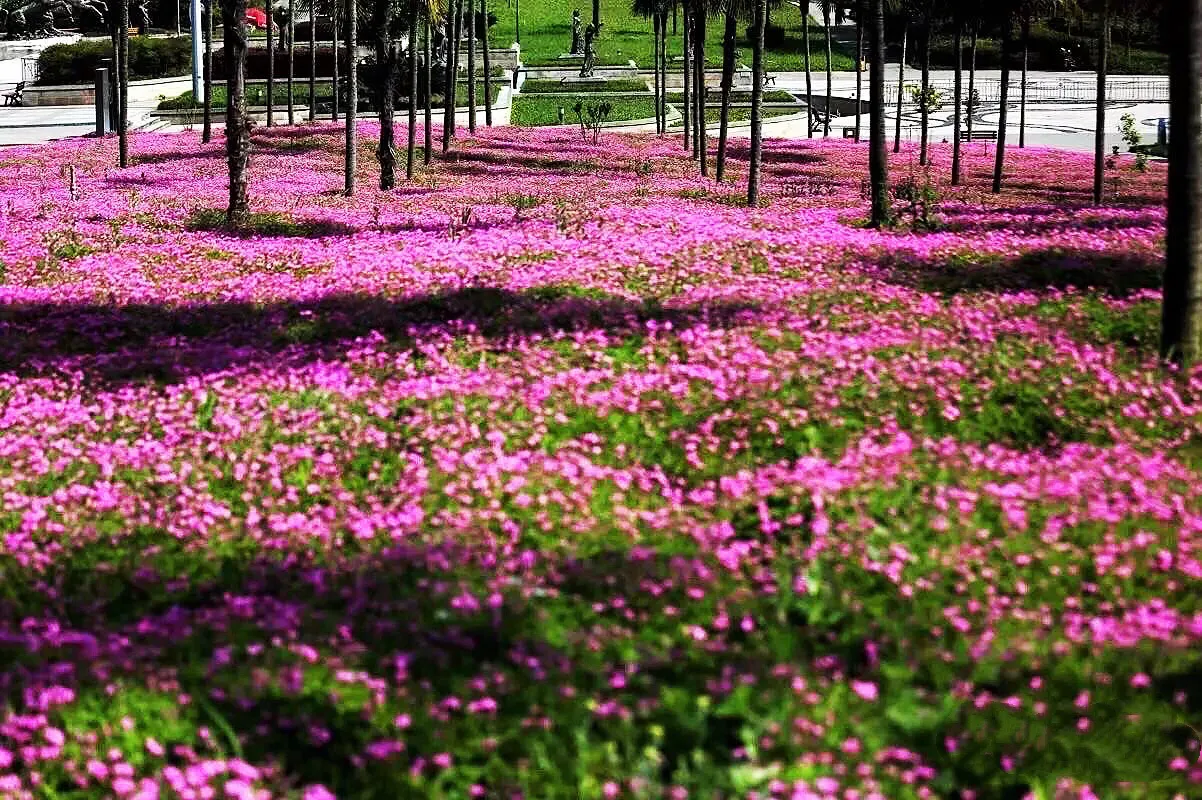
(257, 17)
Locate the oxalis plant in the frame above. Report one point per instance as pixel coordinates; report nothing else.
(592, 116)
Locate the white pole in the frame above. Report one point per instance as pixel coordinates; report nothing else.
(197, 58)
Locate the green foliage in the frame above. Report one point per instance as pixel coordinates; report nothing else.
(930, 101)
(592, 117)
(918, 196)
(551, 86)
(536, 110)
(1133, 138)
(65, 64)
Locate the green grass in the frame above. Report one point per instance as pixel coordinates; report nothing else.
(554, 86)
(546, 33)
(531, 111)
(256, 95)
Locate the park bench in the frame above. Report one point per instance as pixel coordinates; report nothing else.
(769, 80)
(849, 133)
(981, 136)
(820, 122)
(14, 97)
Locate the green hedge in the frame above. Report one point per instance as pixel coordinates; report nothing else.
(64, 64)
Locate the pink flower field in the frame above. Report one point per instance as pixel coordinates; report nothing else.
(559, 473)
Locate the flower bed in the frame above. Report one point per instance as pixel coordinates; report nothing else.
(561, 474)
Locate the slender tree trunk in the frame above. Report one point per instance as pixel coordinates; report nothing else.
(312, 61)
(999, 163)
(757, 96)
(597, 13)
(458, 43)
(487, 64)
(1099, 144)
(291, 60)
(123, 86)
(859, 65)
(729, 35)
(411, 148)
(1181, 325)
(1022, 97)
(805, 39)
(206, 135)
(878, 156)
(270, 64)
(352, 95)
(428, 101)
(237, 133)
(901, 88)
(663, 68)
(335, 19)
(972, 80)
(659, 127)
(471, 66)
(450, 75)
(958, 46)
(700, 139)
(688, 69)
(826, 25)
(925, 105)
(386, 69)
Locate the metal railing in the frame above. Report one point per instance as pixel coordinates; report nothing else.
(1118, 90)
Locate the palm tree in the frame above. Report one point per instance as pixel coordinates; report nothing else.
(826, 26)
(1099, 149)
(270, 63)
(729, 35)
(334, 20)
(487, 65)
(924, 106)
(686, 10)
(412, 141)
(450, 75)
(237, 132)
(206, 134)
(805, 37)
(385, 85)
(352, 95)
(700, 145)
(428, 99)
(970, 107)
(878, 156)
(1025, 22)
(757, 95)
(123, 84)
(1003, 102)
(471, 66)
(655, 35)
(1181, 323)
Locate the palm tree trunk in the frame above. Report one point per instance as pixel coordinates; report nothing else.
(123, 86)
(487, 64)
(206, 134)
(728, 75)
(450, 74)
(427, 99)
(291, 59)
(471, 66)
(826, 24)
(458, 46)
(663, 67)
(352, 95)
(335, 20)
(312, 61)
(999, 163)
(700, 141)
(805, 38)
(688, 70)
(1022, 97)
(270, 65)
(1099, 144)
(757, 96)
(972, 80)
(1181, 325)
(386, 66)
(659, 128)
(958, 46)
(878, 156)
(925, 105)
(859, 65)
(411, 148)
(901, 88)
(237, 133)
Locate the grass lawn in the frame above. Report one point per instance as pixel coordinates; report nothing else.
(546, 33)
(256, 95)
(554, 86)
(530, 111)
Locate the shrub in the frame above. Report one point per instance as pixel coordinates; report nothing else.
(65, 64)
(774, 36)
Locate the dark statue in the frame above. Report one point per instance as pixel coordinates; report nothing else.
(576, 43)
(590, 50)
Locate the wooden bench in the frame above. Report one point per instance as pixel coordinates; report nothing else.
(14, 97)
(769, 80)
(981, 136)
(820, 122)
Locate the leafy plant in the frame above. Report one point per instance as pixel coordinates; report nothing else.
(1133, 138)
(592, 116)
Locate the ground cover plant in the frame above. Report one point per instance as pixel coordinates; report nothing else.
(559, 473)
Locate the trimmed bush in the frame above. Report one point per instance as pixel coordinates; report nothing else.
(67, 64)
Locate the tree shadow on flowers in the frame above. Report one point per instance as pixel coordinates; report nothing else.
(1114, 274)
(110, 345)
